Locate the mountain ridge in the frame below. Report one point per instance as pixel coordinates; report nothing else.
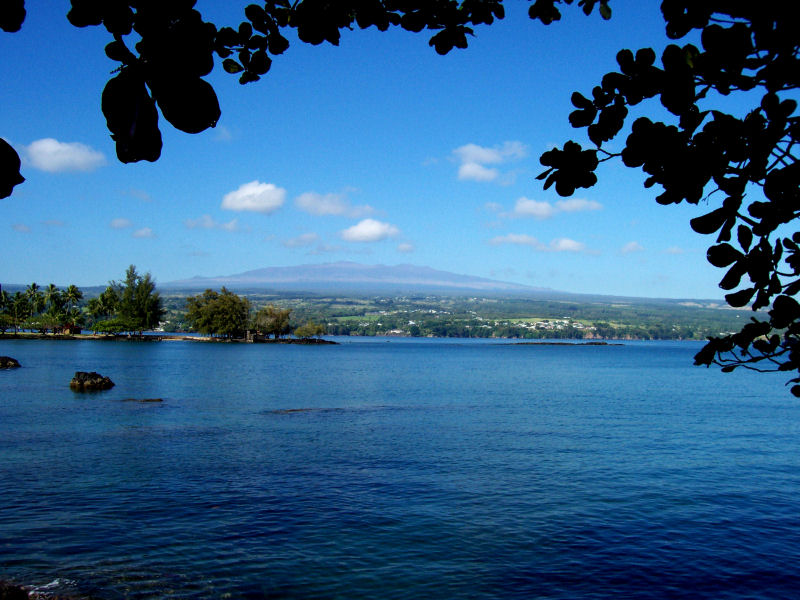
(352, 275)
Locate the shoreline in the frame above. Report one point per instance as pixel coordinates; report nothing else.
(157, 337)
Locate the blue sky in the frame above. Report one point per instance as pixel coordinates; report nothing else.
(378, 151)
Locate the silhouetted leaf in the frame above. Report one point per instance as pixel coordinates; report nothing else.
(745, 237)
(740, 298)
(710, 222)
(190, 105)
(131, 117)
(12, 15)
(86, 12)
(231, 66)
(723, 255)
(9, 169)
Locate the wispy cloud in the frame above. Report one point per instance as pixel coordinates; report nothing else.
(144, 232)
(674, 250)
(53, 223)
(369, 230)
(473, 159)
(255, 196)
(120, 223)
(405, 248)
(223, 134)
(556, 245)
(331, 204)
(21, 228)
(326, 249)
(566, 245)
(207, 222)
(139, 195)
(570, 205)
(632, 247)
(301, 241)
(526, 207)
(50, 155)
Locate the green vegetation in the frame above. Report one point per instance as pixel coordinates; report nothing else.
(309, 330)
(279, 314)
(224, 313)
(272, 320)
(51, 310)
(133, 305)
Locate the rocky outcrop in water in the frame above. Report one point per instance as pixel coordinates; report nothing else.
(89, 382)
(6, 362)
(143, 400)
(10, 591)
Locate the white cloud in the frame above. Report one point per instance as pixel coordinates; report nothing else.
(632, 247)
(477, 172)
(405, 248)
(566, 245)
(331, 204)
(517, 238)
(144, 232)
(120, 223)
(21, 228)
(474, 158)
(369, 230)
(53, 156)
(301, 241)
(472, 153)
(255, 197)
(525, 207)
(674, 250)
(521, 239)
(207, 222)
(577, 205)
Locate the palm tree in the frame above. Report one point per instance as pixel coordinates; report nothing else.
(72, 295)
(5, 306)
(35, 298)
(20, 308)
(51, 293)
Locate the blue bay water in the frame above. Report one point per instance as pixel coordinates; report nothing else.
(387, 468)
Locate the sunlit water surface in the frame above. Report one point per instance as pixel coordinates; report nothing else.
(414, 469)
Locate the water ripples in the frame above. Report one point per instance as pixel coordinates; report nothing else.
(423, 471)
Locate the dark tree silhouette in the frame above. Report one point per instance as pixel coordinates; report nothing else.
(743, 165)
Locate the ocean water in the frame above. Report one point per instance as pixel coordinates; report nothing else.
(391, 468)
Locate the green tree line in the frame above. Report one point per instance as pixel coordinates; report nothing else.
(225, 314)
(48, 309)
(132, 305)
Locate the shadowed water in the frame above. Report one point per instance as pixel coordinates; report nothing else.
(396, 469)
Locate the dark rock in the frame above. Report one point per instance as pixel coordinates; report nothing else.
(83, 381)
(143, 400)
(6, 362)
(10, 591)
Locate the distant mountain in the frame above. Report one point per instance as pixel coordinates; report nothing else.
(350, 276)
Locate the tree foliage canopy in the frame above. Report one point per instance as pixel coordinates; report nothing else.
(744, 166)
(139, 304)
(271, 320)
(222, 313)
